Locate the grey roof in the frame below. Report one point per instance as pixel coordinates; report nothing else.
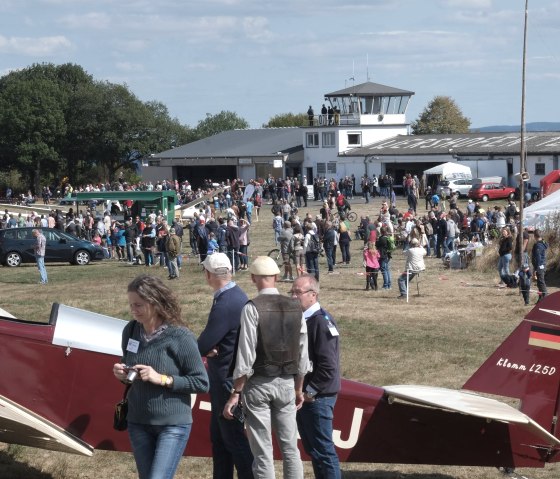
(239, 143)
(543, 143)
(370, 89)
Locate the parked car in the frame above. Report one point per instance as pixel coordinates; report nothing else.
(17, 246)
(491, 191)
(460, 186)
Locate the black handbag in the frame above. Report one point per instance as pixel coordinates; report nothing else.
(121, 411)
(120, 422)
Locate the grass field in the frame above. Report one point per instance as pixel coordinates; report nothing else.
(439, 338)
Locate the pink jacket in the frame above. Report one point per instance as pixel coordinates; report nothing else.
(372, 260)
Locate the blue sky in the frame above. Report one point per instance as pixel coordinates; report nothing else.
(260, 58)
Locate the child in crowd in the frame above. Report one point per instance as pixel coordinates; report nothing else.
(371, 263)
(525, 282)
(212, 244)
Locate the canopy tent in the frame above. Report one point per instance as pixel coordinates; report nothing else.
(544, 214)
(450, 170)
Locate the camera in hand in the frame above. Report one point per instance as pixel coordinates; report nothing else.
(131, 375)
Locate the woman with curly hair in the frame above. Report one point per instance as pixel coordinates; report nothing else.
(161, 349)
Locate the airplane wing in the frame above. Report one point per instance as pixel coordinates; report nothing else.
(470, 404)
(19, 425)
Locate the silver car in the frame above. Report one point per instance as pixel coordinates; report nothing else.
(461, 186)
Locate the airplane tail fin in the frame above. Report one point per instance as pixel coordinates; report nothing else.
(526, 366)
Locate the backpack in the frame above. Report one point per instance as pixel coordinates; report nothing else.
(391, 246)
(313, 246)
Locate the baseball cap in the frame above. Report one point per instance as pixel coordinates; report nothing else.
(217, 263)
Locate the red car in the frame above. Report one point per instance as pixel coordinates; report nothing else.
(491, 191)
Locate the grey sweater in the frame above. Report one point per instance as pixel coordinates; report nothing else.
(174, 353)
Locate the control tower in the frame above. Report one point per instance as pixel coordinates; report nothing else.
(350, 118)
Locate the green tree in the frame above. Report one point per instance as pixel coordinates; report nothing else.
(442, 115)
(57, 121)
(32, 125)
(287, 119)
(214, 124)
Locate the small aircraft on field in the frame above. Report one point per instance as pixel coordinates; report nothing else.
(58, 392)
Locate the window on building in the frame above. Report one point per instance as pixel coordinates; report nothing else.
(540, 169)
(331, 167)
(328, 140)
(355, 139)
(321, 169)
(313, 140)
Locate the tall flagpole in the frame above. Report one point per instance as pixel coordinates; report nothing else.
(522, 153)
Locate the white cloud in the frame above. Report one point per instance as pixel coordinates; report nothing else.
(256, 29)
(206, 67)
(96, 20)
(468, 3)
(129, 67)
(42, 46)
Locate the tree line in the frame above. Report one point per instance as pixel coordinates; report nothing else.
(58, 121)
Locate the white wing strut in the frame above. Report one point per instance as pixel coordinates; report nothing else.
(19, 425)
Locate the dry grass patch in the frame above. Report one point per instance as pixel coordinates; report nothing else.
(439, 338)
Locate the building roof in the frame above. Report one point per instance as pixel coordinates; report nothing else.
(466, 144)
(370, 89)
(239, 143)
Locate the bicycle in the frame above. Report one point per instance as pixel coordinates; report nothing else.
(350, 216)
(276, 256)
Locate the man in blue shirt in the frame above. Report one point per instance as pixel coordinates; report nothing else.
(229, 443)
(321, 385)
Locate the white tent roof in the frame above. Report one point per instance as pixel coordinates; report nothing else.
(543, 213)
(450, 170)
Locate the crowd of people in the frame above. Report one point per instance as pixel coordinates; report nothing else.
(223, 225)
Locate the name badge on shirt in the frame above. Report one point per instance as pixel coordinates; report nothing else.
(132, 345)
(332, 329)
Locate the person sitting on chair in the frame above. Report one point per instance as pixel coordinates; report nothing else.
(414, 265)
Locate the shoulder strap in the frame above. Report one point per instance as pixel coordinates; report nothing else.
(126, 389)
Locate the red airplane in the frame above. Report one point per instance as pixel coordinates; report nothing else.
(58, 392)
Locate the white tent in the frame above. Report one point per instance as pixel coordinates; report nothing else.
(544, 214)
(450, 170)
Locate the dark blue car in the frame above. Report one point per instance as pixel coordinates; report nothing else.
(17, 245)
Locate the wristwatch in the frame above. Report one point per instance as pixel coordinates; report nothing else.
(235, 391)
(169, 381)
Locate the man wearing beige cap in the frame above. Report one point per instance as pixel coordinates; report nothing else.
(217, 342)
(271, 362)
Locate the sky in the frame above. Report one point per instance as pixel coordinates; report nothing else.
(261, 58)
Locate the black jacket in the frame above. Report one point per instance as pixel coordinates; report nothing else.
(324, 354)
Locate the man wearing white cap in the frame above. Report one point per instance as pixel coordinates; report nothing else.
(272, 360)
(217, 342)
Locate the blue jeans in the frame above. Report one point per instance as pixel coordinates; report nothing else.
(503, 265)
(402, 281)
(158, 449)
(330, 258)
(315, 426)
(148, 256)
(345, 250)
(385, 272)
(243, 259)
(449, 244)
(312, 264)
(42, 270)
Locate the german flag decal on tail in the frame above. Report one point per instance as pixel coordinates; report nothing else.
(544, 337)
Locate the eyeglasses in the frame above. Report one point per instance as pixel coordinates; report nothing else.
(299, 293)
